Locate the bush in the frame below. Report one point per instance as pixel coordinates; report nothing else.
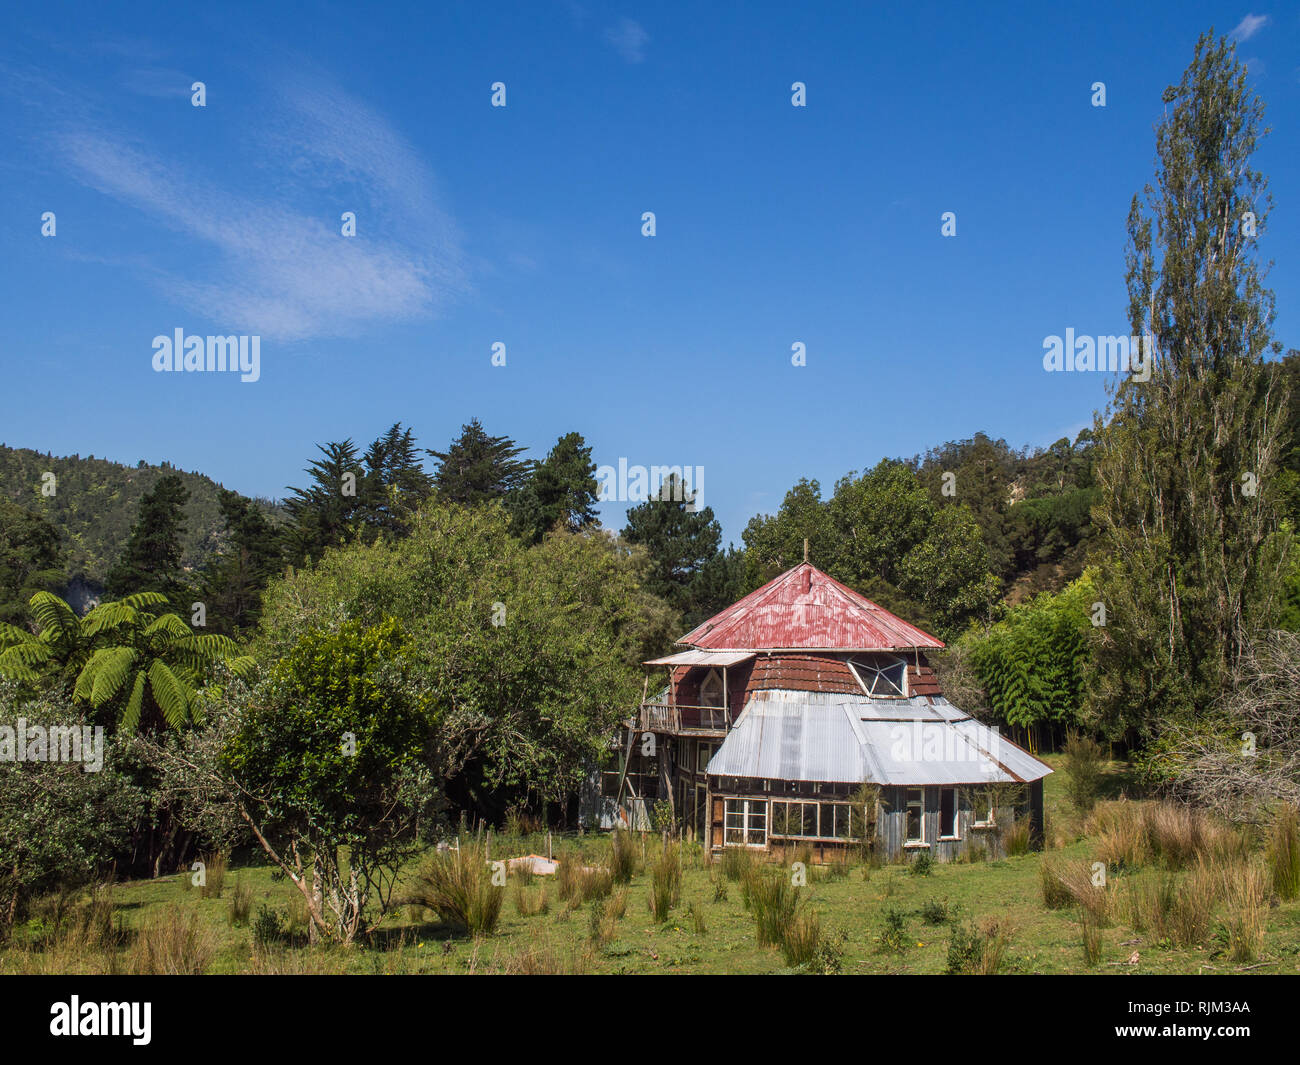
(893, 934)
(936, 912)
(922, 864)
(978, 950)
(268, 927)
(1085, 766)
(805, 945)
(457, 886)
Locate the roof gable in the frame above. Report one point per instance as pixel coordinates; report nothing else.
(805, 609)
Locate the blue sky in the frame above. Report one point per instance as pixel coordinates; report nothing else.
(522, 224)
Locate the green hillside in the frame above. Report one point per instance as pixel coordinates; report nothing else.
(95, 503)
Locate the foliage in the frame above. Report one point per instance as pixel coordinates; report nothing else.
(1032, 664)
(478, 468)
(456, 884)
(129, 659)
(1085, 763)
(151, 559)
(1192, 550)
(30, 559)
(59, 824)
(561, 492)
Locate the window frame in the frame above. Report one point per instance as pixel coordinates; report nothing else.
(866, 662)
(836, 809)
(955, 834)
(987, 795)
(711, 677)
(919, 803)
(748, 815)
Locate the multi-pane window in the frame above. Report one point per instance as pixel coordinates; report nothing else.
(915, 815)
(948, 813)
(704, 752)
(881, 676)
(816, 820)
(745, 822)
(711, 689)
(982, 810)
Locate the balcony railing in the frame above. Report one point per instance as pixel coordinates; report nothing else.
(676, 719)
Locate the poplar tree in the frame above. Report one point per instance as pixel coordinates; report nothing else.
(1190, 544)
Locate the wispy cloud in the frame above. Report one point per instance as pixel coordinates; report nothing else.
(266, 255)
(1248, 27)
(629, 39)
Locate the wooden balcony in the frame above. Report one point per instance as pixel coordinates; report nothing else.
(677, 720)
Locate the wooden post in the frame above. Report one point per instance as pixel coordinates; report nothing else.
(549, 856)
(489, 843)
(805, 549)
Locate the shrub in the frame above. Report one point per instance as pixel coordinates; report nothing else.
(1284, 854)
(934, 911)
(1084, 765)
(978, 950)
(173, 943)
(893, 934)
(922, 864)
(268, 927)
(457, 886)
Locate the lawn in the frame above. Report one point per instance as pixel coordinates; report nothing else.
(851, 903)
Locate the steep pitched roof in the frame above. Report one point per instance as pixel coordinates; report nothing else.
(804, 609)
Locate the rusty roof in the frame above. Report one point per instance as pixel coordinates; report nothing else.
(805, 609)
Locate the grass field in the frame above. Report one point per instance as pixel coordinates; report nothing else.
(887, 919)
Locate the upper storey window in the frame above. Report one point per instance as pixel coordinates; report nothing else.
(882, 676)
(711, 689)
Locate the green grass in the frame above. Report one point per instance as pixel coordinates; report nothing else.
(716, 934)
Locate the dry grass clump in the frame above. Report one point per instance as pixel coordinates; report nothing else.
(605, 915)
(1245, 892)
(543, 959)
(772, 899)
(529, 903)
(1284, 854)
(1071, 883)
(1129, 835)
(173, 942)
(576, 882)
(214, 874)
(979, 950)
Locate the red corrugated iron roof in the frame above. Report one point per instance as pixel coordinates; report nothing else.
(804, 609)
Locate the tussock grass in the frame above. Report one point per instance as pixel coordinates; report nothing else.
(1245, 890)
(173, 942)
(773, 900)
(529, 903)
(241, 903)
(666, 882)
(623, 859)
(1284, 854)
(736, 863)
(544, 959)
(457, 886)
(1069, 883)
(214, 874)
(979, 949)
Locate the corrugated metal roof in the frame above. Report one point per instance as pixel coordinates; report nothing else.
(804, 609)
(702, 658)
(836, 738)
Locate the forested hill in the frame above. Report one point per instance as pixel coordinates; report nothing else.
(95, 504)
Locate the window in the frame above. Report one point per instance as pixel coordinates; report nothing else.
(815, 820)
(703, 753)
(948, 826)
(711, 689)
(915, 815)
(882, 676)
(745, 822)
(982, 809)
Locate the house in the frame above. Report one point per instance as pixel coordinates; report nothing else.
(805, 715)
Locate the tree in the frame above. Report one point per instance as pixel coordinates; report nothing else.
(129, 659)
(331, 765)
(395, 484)
(151, 560)
(1191, 550)
(532, 654)
(251, 555)
(477, 468)
(30, 559)
(323, 515)
(561, 493)
(59, 824)
(681, 542)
